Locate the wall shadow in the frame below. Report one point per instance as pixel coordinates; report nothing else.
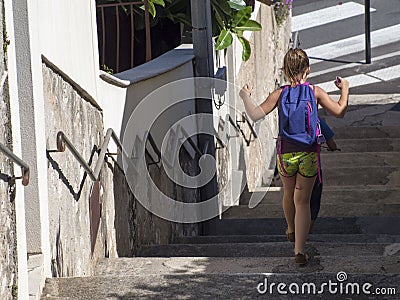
(55, 165)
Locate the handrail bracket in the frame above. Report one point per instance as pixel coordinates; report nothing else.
(253, 133)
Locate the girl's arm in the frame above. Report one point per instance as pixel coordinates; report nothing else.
(257, 112)
(338, 109)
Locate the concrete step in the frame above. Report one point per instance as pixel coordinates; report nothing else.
(340, 238)
(339, 195)
(353, 159)
(211, 286)
(388, 176)
(369, 145)
(245, 265)
(273, 249)
(324, 225)
(327, 210)
(349, 132)
(359, 176)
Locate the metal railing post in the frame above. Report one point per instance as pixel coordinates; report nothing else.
(367, 5)
(63, 142)
(24, 166)
(148, 34)
(296, 43)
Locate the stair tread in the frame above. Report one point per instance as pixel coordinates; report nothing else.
(337, 159)
(351, 132)
(268, 249)
(361, 139)
(338, 225)
(356, 238)
(360, 145)
(268, 210)
(196, 286)
(236, 265)
(388, 176)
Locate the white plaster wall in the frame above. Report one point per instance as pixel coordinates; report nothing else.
(23, 289)
(68, 38)
(138, 91)
(39, 129)
(31, 110)
(113, 100)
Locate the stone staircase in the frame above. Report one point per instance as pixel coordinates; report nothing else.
(356, 235)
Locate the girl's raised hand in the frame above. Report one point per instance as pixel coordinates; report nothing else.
(245, 91)
(341, 83)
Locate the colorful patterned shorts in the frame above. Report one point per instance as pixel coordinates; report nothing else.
(304, 163)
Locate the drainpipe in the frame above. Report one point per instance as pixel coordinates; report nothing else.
(202, 35)
(204, 67)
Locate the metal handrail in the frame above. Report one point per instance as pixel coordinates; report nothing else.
(220, 142)
(189, 139)
(244, 115)
(184, 135)
(296, 40)
(63, 142)
(155, 148)
(24, 166)
(235, 126)
(247, 121)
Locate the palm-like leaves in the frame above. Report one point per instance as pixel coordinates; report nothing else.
(235, 21)
(230, 17)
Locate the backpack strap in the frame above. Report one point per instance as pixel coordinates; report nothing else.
(279, 151)
(309, 109)
(319, 163)
(315, 95)
(319, 142)
(319, 145)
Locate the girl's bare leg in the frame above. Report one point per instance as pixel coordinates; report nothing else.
(302, 219)
(289, 184)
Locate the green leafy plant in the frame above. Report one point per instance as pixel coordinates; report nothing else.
(107, 69)
(233, 18)
(229, 17)
(174, 10)
(151, 3)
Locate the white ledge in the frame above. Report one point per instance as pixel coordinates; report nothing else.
(114, 80)
(162, 64)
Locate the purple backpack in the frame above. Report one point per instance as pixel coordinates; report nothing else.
(298, 119)
(298, 115)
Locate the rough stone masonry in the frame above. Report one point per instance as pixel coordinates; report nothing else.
(8, 263)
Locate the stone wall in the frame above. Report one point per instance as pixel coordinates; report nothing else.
(264, 72)
(81, 212)
(124, 224)
(135, 225)
(8, 257)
